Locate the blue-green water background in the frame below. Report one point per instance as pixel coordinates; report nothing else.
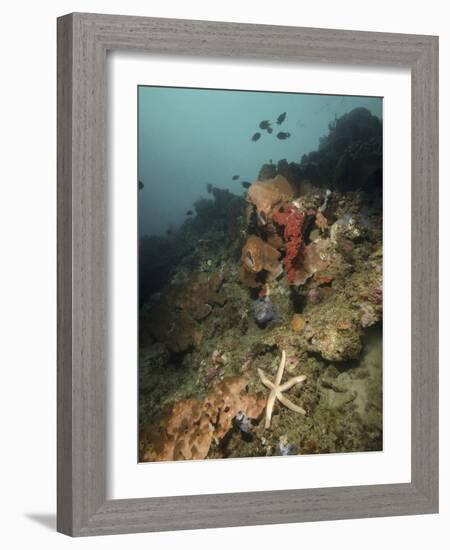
(191, 137)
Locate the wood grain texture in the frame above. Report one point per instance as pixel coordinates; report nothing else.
(83, 40)
(64, 251)
(424, 280)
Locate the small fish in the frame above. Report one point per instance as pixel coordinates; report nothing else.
(264, 124)
(189, 213)
(281, 118)
(256, 136)
(246, 184)
(283, 135)
(209, 187)
(234, 178)
(269, 130)
(141, 185)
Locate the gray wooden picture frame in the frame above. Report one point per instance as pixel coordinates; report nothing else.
(83, 41)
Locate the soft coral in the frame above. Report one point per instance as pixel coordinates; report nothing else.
(292, 220)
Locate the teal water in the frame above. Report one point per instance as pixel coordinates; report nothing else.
(191, 137)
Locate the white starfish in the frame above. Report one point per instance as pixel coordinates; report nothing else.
(277, 390)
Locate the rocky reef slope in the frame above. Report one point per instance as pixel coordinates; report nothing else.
(294, 266)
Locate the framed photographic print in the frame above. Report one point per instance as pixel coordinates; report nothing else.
(247, 268)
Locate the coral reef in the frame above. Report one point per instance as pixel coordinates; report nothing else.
(265, 195)
(259, 262)
(350, 156)
(267, 172)
(292, 220)
(171, 319)
(292, 268)
(316, 260)
(200, 294)
(166, 324)
(189, 427)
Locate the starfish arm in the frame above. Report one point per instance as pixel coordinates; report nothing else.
(288, 404)
(268, 383)
(280, 371)
(269, 408)
(296, 380)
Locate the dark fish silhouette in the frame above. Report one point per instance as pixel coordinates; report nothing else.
(209, 187)
(189, 213)
(281, 118)
(256, 136)
(283, 135)
(234, 178)
(141, 185)
(269, 130)
(246, 184)
(264, 124)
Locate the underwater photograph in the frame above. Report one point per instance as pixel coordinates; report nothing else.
(260, 234)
